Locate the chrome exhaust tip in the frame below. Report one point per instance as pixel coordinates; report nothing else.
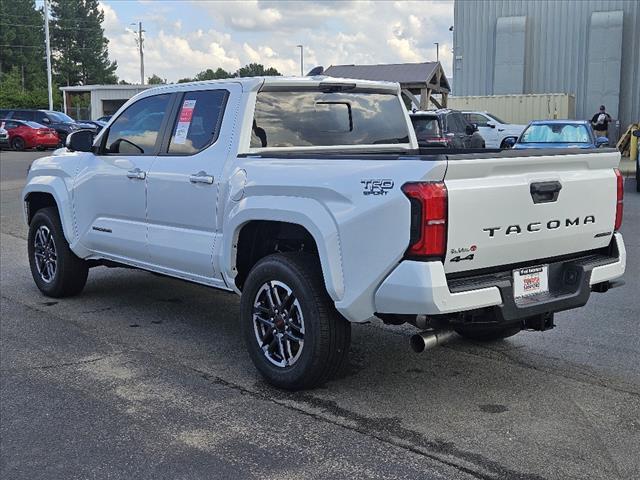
(430, 338)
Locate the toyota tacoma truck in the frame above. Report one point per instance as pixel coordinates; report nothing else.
(311, 198)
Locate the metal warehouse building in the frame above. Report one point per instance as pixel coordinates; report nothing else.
(589, 49)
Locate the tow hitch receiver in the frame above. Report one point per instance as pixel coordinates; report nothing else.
(539, 323)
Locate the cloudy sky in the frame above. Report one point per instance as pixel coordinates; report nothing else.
(185, 37)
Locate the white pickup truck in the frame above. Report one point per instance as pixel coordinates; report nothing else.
(311, 198)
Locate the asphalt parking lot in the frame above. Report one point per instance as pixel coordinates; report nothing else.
(146, 377)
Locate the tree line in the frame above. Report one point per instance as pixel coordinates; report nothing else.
(250, 70)
(79, 51)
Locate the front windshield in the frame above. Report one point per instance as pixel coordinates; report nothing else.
(61, 117)
(556, 133)
(495, 118)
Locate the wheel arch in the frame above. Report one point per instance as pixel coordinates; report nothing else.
(309, 220)
(49, 192)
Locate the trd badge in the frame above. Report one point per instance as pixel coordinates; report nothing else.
(377, 186)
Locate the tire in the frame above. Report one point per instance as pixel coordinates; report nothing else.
(488, 334)
(295, 281)
(17, 143)
(47, 244)
(503, 144)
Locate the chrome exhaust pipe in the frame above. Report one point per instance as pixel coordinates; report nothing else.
(430, 338)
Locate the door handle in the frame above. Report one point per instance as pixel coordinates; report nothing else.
(136, 174)
(201, 177)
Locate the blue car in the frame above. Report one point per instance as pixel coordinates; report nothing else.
(559, 134)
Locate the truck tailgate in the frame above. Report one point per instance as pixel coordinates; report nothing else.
(517, 209)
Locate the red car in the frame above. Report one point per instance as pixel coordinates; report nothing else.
(23, 134)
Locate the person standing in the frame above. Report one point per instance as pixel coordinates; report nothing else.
(600, 122)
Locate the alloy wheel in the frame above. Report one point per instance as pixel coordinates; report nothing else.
(278, 323)
(44, 251)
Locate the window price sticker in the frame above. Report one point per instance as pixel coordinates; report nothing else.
(184, 121)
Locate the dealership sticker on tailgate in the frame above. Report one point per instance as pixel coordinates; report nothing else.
(530, 281)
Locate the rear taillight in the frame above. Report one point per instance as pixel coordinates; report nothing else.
(428, 219)
(619, 199)
(42, 131)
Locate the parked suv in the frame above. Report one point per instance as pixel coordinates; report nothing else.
(497, 133)
(445, 128)
(63, 124)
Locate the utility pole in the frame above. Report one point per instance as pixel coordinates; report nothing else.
(437, 51)
(48, 52)
(301, 60)
(140, 42)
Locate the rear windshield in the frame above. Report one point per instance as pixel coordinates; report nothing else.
(35, 125)
(425, 127)
(556, 133)
(313, 118)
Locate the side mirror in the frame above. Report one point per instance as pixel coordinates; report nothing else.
(491, 125)
(46, 120)
(509, 142)
(470, 129)
(80, 141)
(602, 141)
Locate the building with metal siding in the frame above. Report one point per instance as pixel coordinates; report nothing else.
(589, 49)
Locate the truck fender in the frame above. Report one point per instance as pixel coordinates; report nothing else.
(308, 213)
(56, 187)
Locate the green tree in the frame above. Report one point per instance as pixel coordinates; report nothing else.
(156, 80)
(209, 74)
(12, 95)
(22, 40)
(80, 48)
(256, 70)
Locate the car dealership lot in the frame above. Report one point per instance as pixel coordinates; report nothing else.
(147, 377)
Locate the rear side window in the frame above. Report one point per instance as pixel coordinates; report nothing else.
(23, 115)
(455, 123)
(198, 122)
(426, 126)
(135, 131)
(315, 118)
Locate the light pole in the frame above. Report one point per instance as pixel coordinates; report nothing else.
(47, 43)
(301, 60)
(140, 41)
(437, 51)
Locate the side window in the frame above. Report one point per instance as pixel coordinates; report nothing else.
(479, 120)
(455, 123)
(135, 131)
(42, 118)
(198, 123)
(23, 115)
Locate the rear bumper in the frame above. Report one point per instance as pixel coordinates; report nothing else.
(422, 288)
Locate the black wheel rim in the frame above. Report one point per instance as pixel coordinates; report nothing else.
(18, 144)
(278, 324)
(44, 252)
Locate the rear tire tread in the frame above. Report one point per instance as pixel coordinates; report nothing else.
(334, 331)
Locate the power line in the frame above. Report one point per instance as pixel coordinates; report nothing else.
(57, 27)
(41, 46)
(65, 19)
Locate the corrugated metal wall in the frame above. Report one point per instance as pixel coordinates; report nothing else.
(557, 48)
(519, 108)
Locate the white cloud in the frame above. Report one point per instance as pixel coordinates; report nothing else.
(332, 32)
